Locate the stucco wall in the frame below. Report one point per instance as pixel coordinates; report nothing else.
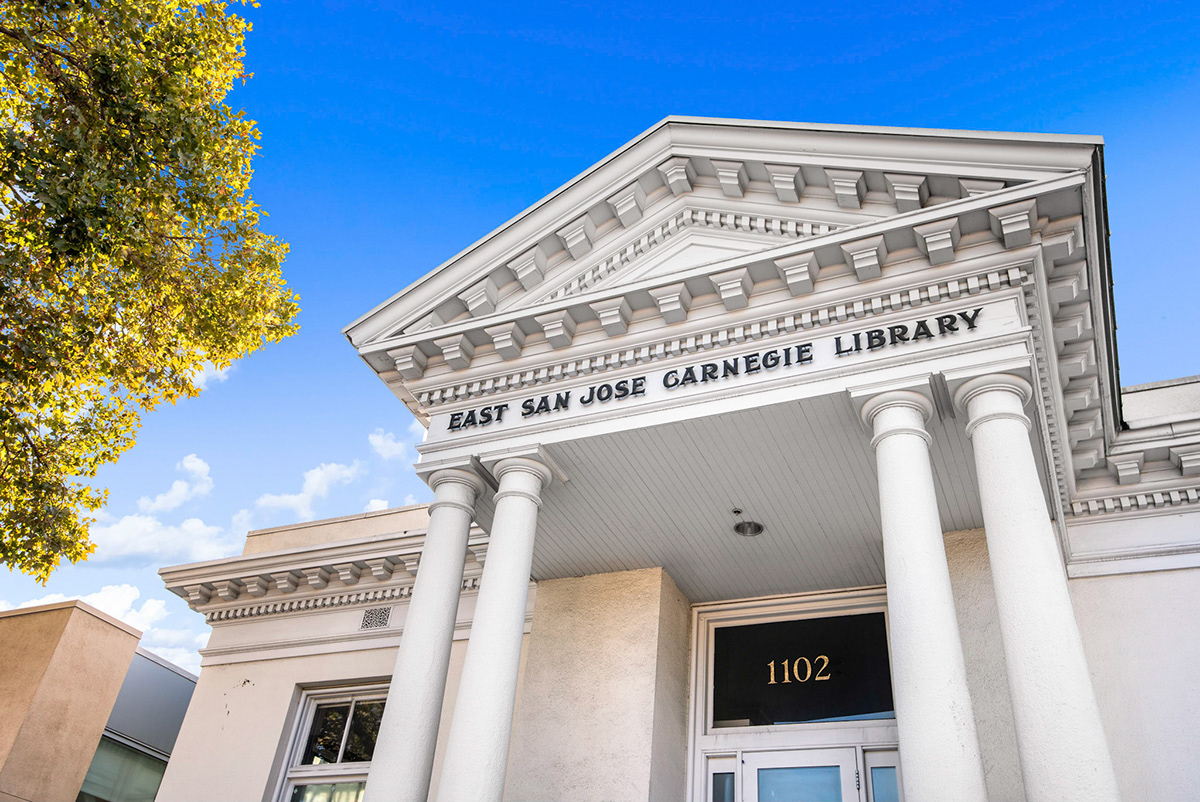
(241, 716)
(668, 765)
(1139, 631)
(401, 520)
(57, 689)
(975, 604)
(605, 712)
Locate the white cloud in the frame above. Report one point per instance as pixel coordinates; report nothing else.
(209, 374)
(186, 658)
(190, 541)
(387, 446)
(116, 600)
(172, 637)
(179, 646)
(317, 483)
(240, 523)
(181, 490)
(375, 505)
(410, 500)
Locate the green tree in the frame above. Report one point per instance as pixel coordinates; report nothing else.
(130, 250)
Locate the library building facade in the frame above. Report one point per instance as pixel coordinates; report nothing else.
(769, 461)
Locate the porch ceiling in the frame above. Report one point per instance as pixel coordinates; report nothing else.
(805, 470)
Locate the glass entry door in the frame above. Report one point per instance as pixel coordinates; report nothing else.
(801, 775)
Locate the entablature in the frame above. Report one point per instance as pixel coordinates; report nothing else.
(841, 260)
(365, 571)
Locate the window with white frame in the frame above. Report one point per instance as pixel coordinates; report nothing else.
(793, 688)
(332, 745)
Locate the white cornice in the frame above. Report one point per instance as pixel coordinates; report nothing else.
(349, 572)
(825, 243)
(900, 151)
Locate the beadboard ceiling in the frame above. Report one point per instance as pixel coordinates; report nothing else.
(805, 470)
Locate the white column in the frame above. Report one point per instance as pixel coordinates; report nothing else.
(403, 760)
(1060, 739)
(939, 748)
(477, 751)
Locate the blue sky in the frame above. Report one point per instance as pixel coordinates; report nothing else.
(395, 134)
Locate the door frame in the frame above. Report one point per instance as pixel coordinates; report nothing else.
(845, 758)
(706, 743)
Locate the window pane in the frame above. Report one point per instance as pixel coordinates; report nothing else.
(325, 740)
(329, 792)
(364, 728)
(800, 784)
(723, 787)
(812, 669)
(121, 774)
(884, 787)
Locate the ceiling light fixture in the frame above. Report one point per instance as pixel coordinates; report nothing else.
(746, 528)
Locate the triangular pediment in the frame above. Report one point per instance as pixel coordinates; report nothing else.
(692, 191)
(671, 244)
(694, 249)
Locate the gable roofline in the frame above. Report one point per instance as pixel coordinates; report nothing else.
(885, 130)
(357, 332)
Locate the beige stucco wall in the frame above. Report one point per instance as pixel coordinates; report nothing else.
(60, 673)
(397, 521)
(979, 629)
(605, 712)
(242, 715)
(1139, 631)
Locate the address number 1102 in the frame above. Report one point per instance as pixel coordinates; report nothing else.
(800, 670)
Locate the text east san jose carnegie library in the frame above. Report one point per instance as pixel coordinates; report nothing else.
(745, 365)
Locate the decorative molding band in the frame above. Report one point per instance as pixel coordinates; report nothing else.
(357, 598)
(452, 505)
(1136, 501)
(1044, 391)
(909, 430)
(706, 218)
(1019, 417)
(984, 281)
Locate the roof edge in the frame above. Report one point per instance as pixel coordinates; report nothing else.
(1084, 140)
(891, 130)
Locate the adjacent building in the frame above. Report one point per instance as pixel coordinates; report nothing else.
(770, 462)
(88, 715)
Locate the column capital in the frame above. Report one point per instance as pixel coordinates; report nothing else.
(546, 468)
(959, 379)
(522, 476)
(526, 465)
(869, 399)
(895, 398)
(1005, 382)
(456, 486)
(898, 412)
(463, 476)
(994, 396)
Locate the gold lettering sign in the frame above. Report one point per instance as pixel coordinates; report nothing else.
(822, 670)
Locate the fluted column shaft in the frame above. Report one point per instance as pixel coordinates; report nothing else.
(1060, 739)
(477, 750)
(403, 760)
(939, 747)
